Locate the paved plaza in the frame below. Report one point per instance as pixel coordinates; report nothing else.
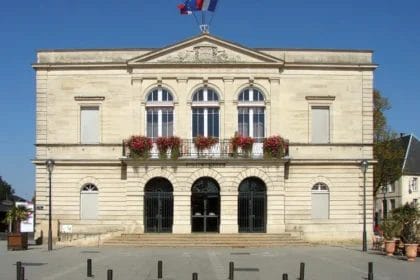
(322, 262)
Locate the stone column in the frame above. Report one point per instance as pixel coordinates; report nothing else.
(228, 212)
(182, 212)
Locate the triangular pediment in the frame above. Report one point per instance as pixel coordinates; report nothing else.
(205, 49)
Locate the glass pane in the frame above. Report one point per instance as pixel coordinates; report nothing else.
(213, 122)
(152, 123)
(198, 122)
(212, 95)
(243, 121)
(258, 95)
(258, 122)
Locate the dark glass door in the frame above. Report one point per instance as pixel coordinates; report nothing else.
(158, 206)
(205, 206)
(252, 207)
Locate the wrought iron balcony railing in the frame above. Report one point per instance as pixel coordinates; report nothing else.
(221, 150)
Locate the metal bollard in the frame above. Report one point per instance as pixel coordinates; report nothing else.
(22, 273)
(231, 270)
(285, 277)
(109, 274)
(302, 271)
(89, 268)
(370, 273)
(160, 272)
(18, 266)
(195, 276)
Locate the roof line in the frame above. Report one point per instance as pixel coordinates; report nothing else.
(315, 49)
(406, 152)
(95, 50)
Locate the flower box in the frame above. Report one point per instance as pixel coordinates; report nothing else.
(242, 145)
(139, 146)
(274, 147)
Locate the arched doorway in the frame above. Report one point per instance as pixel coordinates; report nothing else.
(252, 205)
(205, 205)
(158, 205)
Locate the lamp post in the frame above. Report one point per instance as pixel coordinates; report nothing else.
(364, 166)
(50, 166)
(384, 202)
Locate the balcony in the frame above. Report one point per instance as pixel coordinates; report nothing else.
(221, 150)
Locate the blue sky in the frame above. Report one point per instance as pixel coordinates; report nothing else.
(390, 28)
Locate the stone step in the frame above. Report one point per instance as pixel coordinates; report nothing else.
(205, 240)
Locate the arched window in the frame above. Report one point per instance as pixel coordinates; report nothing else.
(251, 116)
(205, 113)
(320, 201)
(89, 202)
(159, 113)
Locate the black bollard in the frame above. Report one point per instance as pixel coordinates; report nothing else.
(109, 274)
(89, 267)
(160, 272)
(18, 266)
(231, 269)
(22, 273)
(285, 277)
(302, 271)
(195, 276)
(370, 273)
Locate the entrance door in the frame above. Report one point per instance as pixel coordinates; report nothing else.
(252, 202)
(205, 205)
(158, 206)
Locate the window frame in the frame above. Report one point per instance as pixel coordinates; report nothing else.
(246, 102)
(158, 105)
(80, 119)
(205, 105)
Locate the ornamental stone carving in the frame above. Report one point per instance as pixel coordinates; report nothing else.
(203, 53)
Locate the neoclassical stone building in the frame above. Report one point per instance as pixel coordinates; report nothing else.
(90, 101)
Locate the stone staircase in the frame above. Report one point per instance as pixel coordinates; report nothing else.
(240, 240)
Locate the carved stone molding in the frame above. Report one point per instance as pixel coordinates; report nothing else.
(203, 53)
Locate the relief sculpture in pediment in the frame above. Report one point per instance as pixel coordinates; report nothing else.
(204, 53)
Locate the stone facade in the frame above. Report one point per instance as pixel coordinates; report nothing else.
(118, 83)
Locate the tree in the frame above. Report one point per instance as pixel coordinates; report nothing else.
(15, 215)
(388, 150)
(6, 190)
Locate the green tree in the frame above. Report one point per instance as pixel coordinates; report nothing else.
(6, 190)
(387, 150)
(15, 215)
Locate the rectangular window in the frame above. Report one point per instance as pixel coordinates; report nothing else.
(251, 122)
(392, 201)
(391, 187)
(89, 125)
(198, 122)
(414, 185)
(258, 124)
(243, 121)
(213, 122)
(320, 124)
(152, 123)
(167, 122)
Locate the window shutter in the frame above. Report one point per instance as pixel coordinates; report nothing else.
(320, 124)
(89, 125)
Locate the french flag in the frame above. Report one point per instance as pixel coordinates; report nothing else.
(206, 5)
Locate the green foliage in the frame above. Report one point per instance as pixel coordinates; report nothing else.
(390, 228)
(407, 216)
(6, 190)
(387, 149)
(15, 215)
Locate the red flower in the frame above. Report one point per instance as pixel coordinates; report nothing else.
(139, 145)
(202, 143)
(243, 142)
(274, 146)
